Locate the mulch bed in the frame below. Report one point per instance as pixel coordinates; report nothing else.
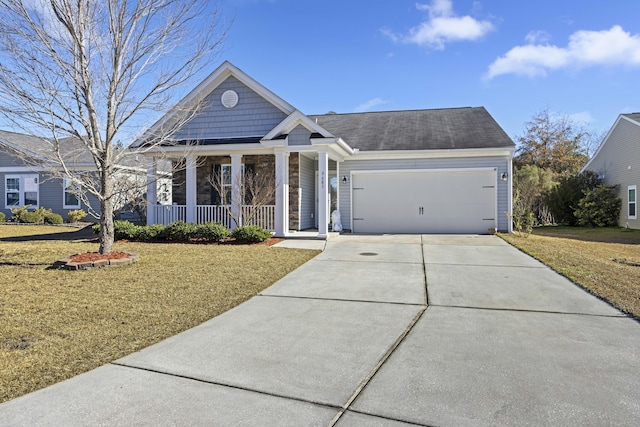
(89, 260)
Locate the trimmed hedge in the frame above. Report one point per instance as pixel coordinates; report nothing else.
(178, 231)
(3, 217)
(40, 215)
(250, 234)
(53, 218)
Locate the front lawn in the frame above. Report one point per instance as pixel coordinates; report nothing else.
(55, 324)
(604, 261)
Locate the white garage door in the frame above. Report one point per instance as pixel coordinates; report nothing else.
(425, 201)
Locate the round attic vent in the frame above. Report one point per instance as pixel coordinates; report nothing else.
(229, 99)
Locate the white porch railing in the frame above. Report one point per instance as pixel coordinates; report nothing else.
(262, 216)
(211, 213)
(166, 214)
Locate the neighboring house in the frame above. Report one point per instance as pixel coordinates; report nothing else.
(617, 162)
(26, 177)
(419, 171)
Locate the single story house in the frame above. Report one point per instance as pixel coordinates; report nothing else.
(617, 162)
(29, 175)
(419, 171)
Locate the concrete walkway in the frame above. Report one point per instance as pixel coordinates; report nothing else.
(355, 338)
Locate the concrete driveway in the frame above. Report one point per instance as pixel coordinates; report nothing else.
(378, 331)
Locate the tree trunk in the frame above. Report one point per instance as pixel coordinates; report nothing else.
(107, 230)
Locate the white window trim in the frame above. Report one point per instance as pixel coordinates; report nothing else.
(66, 183)
(634, 202)
(230, 184)
(21, 191)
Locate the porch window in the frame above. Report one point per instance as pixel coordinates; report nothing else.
(21, 190)
(632, 204)
(226, 183)
(223, 173)
(70, 198)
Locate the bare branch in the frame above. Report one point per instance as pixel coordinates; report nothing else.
(88, 72)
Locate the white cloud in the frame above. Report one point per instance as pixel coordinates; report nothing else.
(370, 104)
(585, 49)
(442, 26)
(537, 37)
(582, 117)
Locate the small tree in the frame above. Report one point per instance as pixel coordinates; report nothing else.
(529, 183)
(599, 207)
(254, 190)
(563, 199)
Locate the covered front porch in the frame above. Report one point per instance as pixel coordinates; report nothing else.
(297, 178)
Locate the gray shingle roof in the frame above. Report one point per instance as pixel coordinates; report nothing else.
(73, 151)
(441, 129)
(70, 148)
(633, 116)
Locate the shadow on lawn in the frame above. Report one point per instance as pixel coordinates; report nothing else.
(82, 234)
(620, 235)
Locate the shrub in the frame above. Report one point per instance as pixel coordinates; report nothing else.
(31, 218)
(250, 234)
(125, 230)
(18, 213)
(599, 207)
(212, 232)
(180, 231)
(96, 228)
(149, 233)
(563, 199)
(3, 217)
(76, 215)
(53, 218)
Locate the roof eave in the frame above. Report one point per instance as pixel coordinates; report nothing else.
(442, 153)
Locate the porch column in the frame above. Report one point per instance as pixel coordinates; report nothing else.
(323, 206)
(510, 195)
(152, 190)
(192, 190)
(236, 188)
(282, 193)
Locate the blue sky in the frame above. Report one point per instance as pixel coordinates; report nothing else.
(579, 58)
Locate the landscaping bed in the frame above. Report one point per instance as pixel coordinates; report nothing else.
(55, 324)
(601, 260)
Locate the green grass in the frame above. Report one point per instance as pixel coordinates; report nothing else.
(55, 324)
(600, 260)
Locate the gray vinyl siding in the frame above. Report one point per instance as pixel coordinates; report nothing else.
(300, 136)
(308, 189)
(252, 116)
(618, 160)
(500, 163)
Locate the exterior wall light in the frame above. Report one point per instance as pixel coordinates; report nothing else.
(344, 179)
(503, 176)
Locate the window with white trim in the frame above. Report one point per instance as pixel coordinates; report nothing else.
(632, 210)
(222, 173)
(226, 183)
(21, 190)
(70, 198)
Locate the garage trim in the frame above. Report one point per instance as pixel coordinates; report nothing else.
(422, 171)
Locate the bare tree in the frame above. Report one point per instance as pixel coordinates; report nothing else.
(96, 72)
(553, 142)
(254, 190)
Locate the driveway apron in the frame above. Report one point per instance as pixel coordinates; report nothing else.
(378, 331)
